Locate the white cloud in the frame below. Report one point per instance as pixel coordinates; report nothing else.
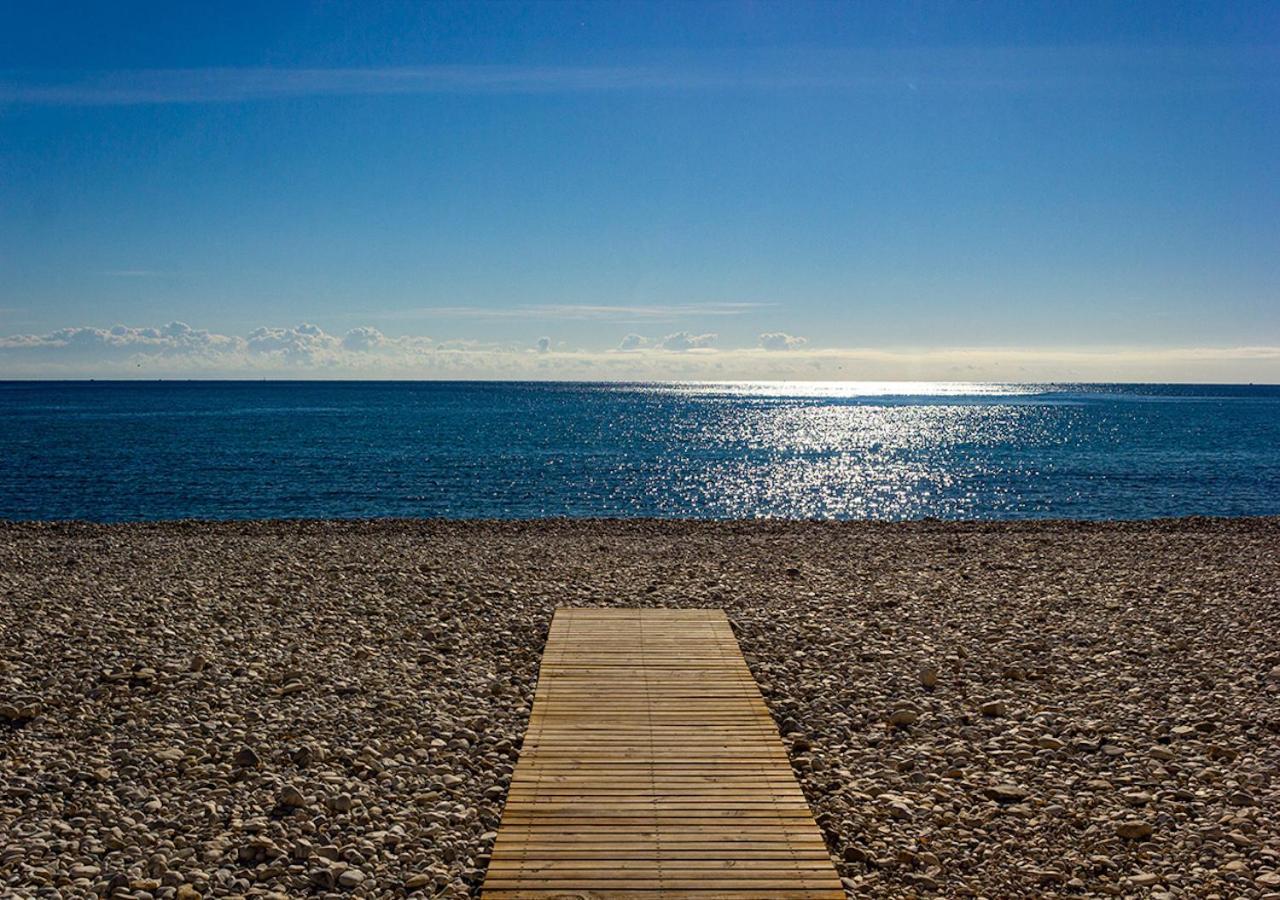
(176, 339)
(307, 343)
(177, 350)
(779, 340)
(591, 312)
(683, 340)
(363, 339)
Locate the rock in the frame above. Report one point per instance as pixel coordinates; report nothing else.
(1134, 829)
(854, 854)
(903, 717)
(1006, 793)
(401, 631)
(292, 798)
(928, 677)
(247, 759)
(993, 708)
(351, 878)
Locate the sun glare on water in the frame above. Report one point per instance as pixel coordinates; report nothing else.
(853, 389)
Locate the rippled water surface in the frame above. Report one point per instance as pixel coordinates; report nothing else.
(120, 451)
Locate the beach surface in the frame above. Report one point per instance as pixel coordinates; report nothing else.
(295, 708)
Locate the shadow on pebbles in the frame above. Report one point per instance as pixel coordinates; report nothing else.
(282, 709)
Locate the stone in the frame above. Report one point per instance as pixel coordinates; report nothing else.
(419, 620)
(928, 677)
(901, 718)
(292, 798)
(351, 878)
(246, 758)
(1006, 793)
(993, 708)
(1134, 829)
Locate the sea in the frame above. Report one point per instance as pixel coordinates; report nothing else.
(128, 451)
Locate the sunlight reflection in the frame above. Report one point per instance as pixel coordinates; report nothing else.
(818, 389)
(861, 459)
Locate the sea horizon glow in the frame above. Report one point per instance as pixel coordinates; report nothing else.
(638, 191)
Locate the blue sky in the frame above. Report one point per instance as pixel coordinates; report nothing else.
(933, 190)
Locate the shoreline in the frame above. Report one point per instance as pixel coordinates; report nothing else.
(392, 522)
(298, 707)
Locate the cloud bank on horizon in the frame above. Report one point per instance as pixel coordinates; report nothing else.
(178, 350)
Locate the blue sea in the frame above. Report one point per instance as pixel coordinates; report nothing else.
(122, 451)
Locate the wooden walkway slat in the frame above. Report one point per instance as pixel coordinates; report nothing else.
(651, 768)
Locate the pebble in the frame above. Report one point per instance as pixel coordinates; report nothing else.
(291, 797)
(187, 678)
(901, 718)
(1006, 793)
(1134, 829)
(351, 878)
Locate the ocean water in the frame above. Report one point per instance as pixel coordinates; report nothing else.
(117, 451)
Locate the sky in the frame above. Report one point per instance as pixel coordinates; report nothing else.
(910, 191)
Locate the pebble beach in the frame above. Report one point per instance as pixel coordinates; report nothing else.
(311, 708)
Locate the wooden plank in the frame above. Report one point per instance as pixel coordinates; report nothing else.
(652, 769)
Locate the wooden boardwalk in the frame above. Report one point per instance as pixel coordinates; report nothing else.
(651, 768)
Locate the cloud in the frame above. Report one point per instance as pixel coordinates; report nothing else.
(176, 339)
(683, 340)
(590, 312)
(178, 350)
(363, 339)
(893, 70)
(544, 345)
(306, 343)
(779, 340)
